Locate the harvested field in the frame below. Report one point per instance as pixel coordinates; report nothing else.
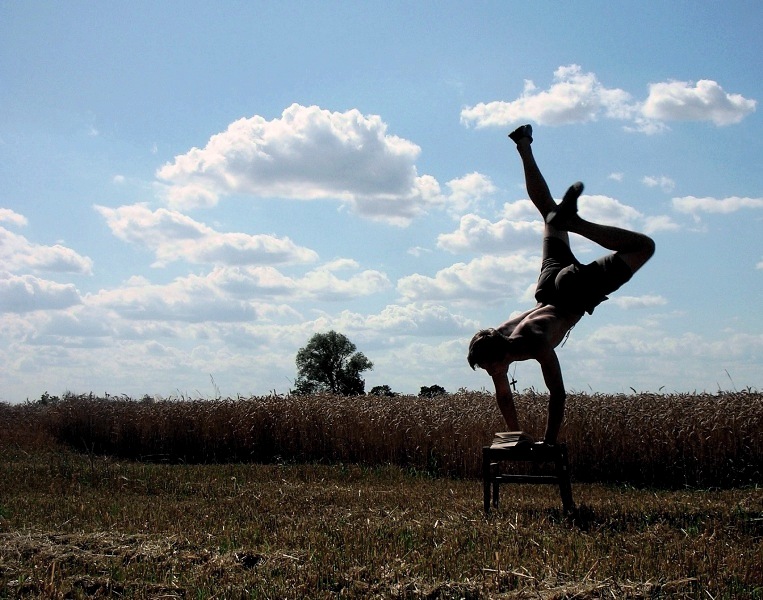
(85, 519)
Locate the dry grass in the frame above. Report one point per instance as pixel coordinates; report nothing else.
(326, 497)
(664, 440)
(73, 526)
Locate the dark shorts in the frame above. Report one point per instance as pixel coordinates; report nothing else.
(575, 287)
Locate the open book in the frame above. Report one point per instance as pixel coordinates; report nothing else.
(512, 438)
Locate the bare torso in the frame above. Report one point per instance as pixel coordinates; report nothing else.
(540, 329)
(535, 333)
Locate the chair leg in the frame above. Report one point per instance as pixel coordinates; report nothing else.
(486, 480)
(565, 486)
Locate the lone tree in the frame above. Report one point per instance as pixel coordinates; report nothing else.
(329, 363)
(382, 390)
(431, 391)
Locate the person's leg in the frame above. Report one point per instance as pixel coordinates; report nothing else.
(632, 247)
(537, 188)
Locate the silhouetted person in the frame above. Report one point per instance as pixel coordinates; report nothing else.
(566, 290)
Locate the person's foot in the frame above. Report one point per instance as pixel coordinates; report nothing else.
(524, 131)
(567, 209)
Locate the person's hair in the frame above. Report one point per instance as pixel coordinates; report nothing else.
(487, 345)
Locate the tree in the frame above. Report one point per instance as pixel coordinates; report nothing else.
(382, 390)
(431, 391)
(330, 363)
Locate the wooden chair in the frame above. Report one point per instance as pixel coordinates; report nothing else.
(523, 450)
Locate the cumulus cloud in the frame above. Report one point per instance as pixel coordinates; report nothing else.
(704, 101)
(579, 97)
(485, 279)
(574, 97)
(466, 191)
(521, 228)
(237, 293)
(17, 253)
(425, 319)
(308, 153)
(396, 321)
(173, 236)
(609, 211)
(477, 234)
(9, 216)
(27, 293)
(318, 284)
(191, 299)
(693, 205)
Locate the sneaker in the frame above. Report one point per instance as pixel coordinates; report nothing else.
(567, 208)
(525, 131)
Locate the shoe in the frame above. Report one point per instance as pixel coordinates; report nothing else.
(567, 208)
(525, 131)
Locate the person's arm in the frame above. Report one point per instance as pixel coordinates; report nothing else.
(552, 375)
(505, 400)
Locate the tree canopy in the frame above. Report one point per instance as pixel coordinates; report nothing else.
(329, 363)
(430, 391)
(382, 390)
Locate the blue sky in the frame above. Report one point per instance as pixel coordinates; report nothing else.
(190, 190)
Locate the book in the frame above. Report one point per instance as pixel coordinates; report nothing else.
(507, 439)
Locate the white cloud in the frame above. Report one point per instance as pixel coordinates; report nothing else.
(521, 210)
(608, 211)
(419, 320)
(487, 279)
(578, 97)
(693, 205)
(666, 184)
(704, 101)
(419, 251)
(309, 153)
(522, 228)
(191, 299)
(397, 321)
(616, 176)
(236, 294)
(659, 223)
(319, 284)
(27, 293)
(630, 302)
(9, 216)
(651, 341)
(467, 190)
(477, 234)
(173, 236)
(574, 97)
(17, 253)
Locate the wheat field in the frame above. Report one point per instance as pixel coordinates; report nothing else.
(673, 440)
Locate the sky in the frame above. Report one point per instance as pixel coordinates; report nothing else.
(190, 190)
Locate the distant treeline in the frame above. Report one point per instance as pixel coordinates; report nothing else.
(666, 440)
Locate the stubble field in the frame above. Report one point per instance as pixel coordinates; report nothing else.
(323, 497)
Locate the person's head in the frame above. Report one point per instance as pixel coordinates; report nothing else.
(488, 347)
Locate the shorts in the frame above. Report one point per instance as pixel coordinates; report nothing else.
(575, 287)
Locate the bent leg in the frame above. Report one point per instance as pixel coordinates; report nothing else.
(635, 249)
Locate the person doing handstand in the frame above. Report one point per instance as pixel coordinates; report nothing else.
(566, 290)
